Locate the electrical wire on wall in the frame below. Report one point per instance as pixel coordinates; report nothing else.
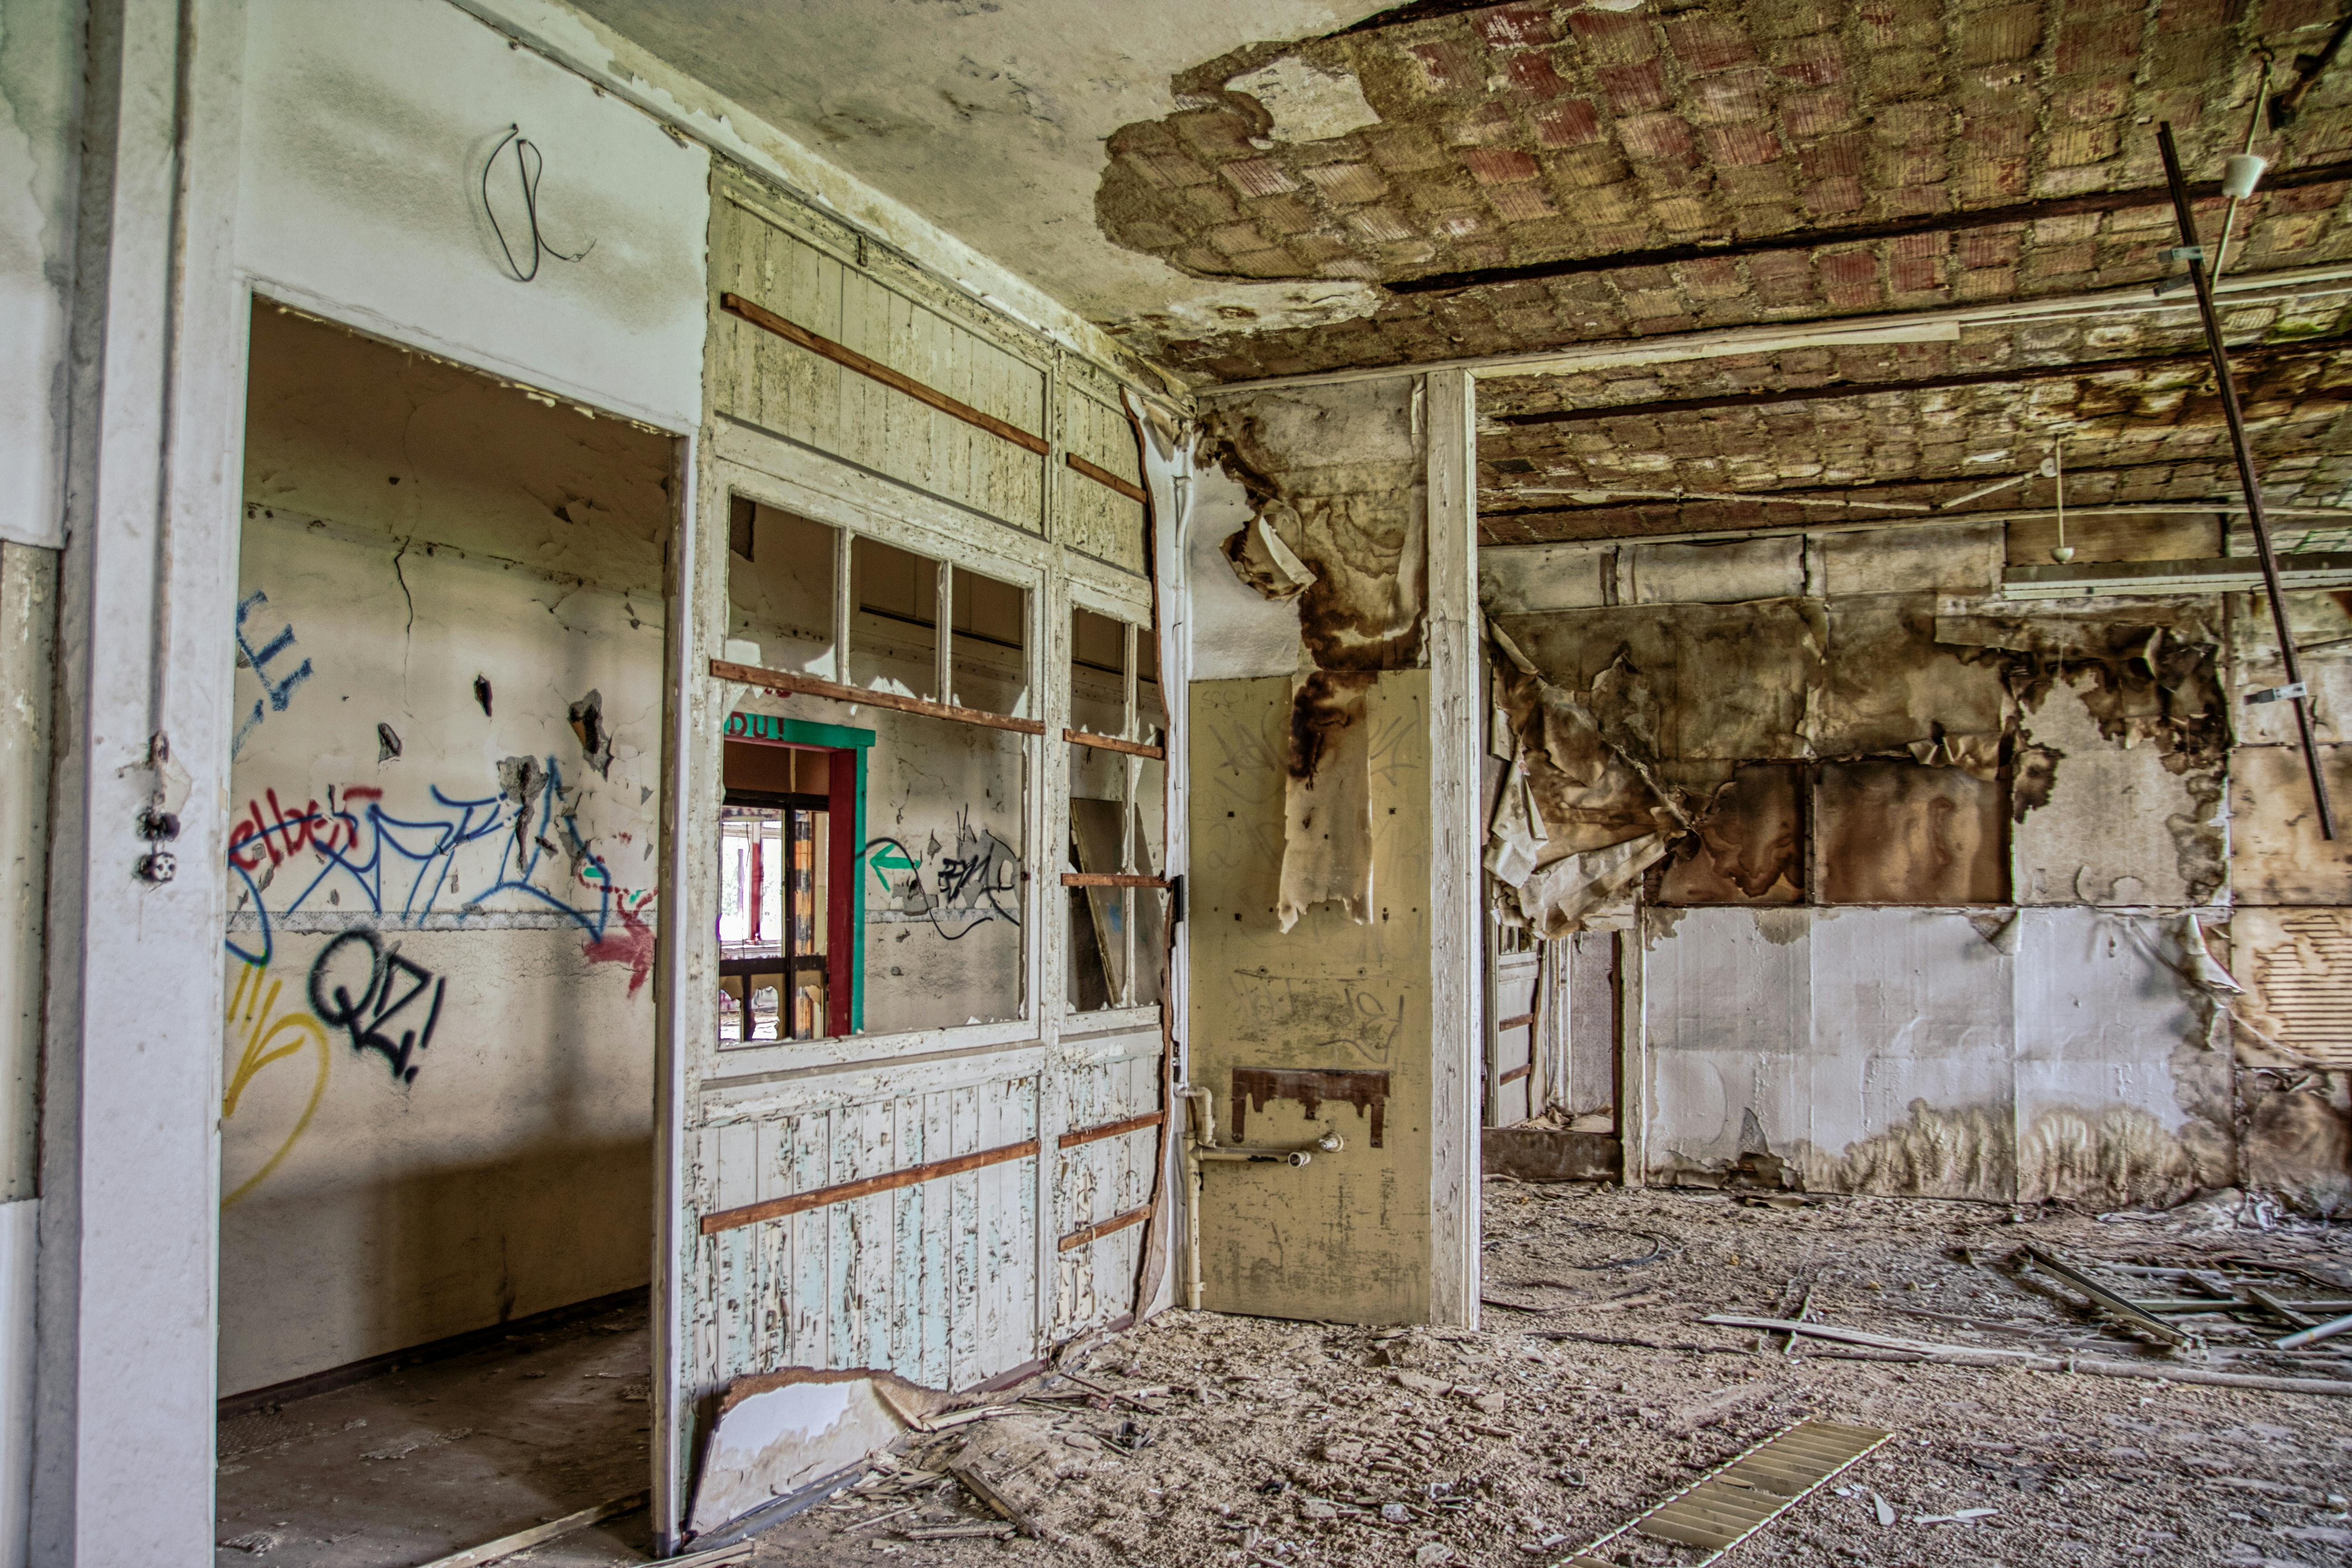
(529, 163)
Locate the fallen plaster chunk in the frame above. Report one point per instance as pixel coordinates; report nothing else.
(778, 1432)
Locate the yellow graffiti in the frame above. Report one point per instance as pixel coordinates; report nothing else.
(268, 1037)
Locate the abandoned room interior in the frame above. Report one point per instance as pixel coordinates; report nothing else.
(1553, 781)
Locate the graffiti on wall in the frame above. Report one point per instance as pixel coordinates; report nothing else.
(454, 855)
(369, 992)
(269, 1035)
(277, 690)
(979, 883)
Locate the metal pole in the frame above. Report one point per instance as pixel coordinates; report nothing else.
(2254, 516)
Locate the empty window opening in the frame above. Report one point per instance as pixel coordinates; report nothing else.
(915, 915)
(1118, 829)
(787, 881)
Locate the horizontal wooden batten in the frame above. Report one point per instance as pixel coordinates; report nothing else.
(1101, 1228)
(843, 1192)
(1518, 1073)
(897, 381)
(1522, 1021)
(1107, 480)
(1110, 1129)
(1109, 879)
(1112, 743)
(809, 686)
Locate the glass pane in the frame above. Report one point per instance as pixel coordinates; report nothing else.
(752, 938)
(780, 609)
(991, 656)
(893, 646)
(774, 930)
(1150, 939)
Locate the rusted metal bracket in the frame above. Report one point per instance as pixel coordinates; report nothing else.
(2255, 520)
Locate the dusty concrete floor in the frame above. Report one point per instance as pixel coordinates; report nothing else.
(1281, 1444)
(432, 1459)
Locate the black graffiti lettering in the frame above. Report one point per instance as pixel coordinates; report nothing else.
(388, 986)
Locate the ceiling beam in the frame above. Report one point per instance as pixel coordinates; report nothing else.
(2327, 173)
(2334, 343)
(1935, 324)
(2313, 516)
(1924, 490)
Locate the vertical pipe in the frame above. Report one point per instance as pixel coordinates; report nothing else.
(2256, 517)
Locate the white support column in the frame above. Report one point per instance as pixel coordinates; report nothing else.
(1456, 956)
(130, 1167)
(686, 953)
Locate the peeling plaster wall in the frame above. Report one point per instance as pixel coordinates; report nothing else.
(1347, 1237)
(40, 104)
(367, 126)
(1973, 986)
(437, 1059)
(1308, 890)
(1900, 1050)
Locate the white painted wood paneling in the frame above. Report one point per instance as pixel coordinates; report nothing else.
(788, 390)
(1096, 519)
(928, 1280)
(1097, 1181)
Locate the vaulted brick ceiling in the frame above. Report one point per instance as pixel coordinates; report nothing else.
(1605, 149)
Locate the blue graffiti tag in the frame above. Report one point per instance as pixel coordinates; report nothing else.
(398, 866)
(279, 693)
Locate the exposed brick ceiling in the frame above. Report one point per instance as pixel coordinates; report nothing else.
(1537, 133)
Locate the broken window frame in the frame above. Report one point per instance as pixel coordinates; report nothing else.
(1136, 877)
(949, 540)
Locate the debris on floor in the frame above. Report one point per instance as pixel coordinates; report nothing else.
(1595, 1388)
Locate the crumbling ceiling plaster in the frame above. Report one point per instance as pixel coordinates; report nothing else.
(989, 118)
(1251, 190)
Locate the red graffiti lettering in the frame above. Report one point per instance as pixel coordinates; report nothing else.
(633, 944)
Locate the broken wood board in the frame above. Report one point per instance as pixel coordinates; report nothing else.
(1979, 1355)
(507, 1546)
(1735, 1500)
(1551, 1154)
(777, 1433)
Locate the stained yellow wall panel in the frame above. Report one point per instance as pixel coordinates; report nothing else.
(1347, 1237)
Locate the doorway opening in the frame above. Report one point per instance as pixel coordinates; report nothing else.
(436, 1145)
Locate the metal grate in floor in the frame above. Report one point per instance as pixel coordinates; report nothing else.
(1729, 1504)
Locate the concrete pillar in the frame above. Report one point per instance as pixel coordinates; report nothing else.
(129, 1168)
